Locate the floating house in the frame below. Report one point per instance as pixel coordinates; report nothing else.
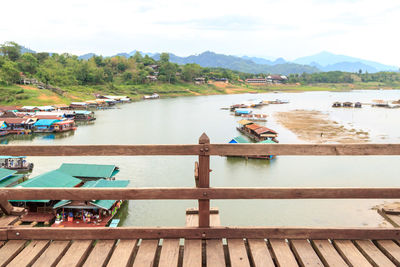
(347, 104)
(36, 108)
(256, 132)
(242, 140)
(61, 107)
(45, 126)
(3, 128)
(337, 105)
(84, 115)
(10, 178)
(255, 117)
(19, 125)
(15, 163)
(239, 140)
(78, 105)
(90, 213)
(64, 126)
(89, 171)
(357, 105)
(49, 179)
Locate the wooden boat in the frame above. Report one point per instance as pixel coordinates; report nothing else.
(153, 96)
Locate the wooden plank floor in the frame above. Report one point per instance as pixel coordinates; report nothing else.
(233, 252)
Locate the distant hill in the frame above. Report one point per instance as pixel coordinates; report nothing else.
(327, 61)
(87, 56)
(26, 50)
(211, 59)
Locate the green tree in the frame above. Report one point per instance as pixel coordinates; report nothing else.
(190, 71)
(164, 58)
(11, 50)
(9, 72)
(28, 63)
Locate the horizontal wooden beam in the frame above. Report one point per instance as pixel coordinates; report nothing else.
(198, 193)
(99, 150)
(203, 233)
(304, 149)
(211, 149)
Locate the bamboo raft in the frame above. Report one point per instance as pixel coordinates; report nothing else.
(203, 241)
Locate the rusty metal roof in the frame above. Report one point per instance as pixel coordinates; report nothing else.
(253, 126)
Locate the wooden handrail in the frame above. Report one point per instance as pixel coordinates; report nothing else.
(212, 150)
(198, 193)
(77, 233)
(202, 192)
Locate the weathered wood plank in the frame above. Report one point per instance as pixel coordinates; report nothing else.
(122, 254)
(304, 149)
(215, 256)
(146, 253)
(76, 254)
(192, 253)
(213, 149)
(81, 233)
(372, 253)
(391, 250)
(260, 253)
(30, 253)
(52, 255)
(169, 253)
(328, 254)
(99, 150)
(7, 220)
(350, 253)
(237, 253)
(10, 250)
(215, 253)
(100, 254)
(192, 248)
(305, 254)
(283, 255)
(200, 193)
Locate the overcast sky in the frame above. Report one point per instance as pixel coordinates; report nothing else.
(286, 28)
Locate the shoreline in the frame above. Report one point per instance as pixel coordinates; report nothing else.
(47, 97)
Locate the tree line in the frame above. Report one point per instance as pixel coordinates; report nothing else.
(66, 69)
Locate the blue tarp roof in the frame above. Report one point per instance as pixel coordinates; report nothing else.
(242, 111)
(86, 112)
(45, 122)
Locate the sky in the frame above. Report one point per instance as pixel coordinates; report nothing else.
(290, 29)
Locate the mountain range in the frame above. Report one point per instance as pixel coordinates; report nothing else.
(323, 61)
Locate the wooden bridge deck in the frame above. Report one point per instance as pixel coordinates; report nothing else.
(213, 252)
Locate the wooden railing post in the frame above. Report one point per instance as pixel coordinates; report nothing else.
(204, 180)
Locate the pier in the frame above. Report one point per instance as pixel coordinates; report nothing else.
(203, 241)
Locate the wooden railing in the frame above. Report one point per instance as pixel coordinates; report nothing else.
(203, 193)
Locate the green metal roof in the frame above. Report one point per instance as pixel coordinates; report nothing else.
(241, 140)
(267, 142)
(51, 179)
(103, 203)
(89, 170)
(5, 173)
(10, 180)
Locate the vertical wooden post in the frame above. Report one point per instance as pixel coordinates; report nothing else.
(204, 180)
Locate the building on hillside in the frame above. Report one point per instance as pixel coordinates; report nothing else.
(277, 79)
(199, 80)
(256, 81)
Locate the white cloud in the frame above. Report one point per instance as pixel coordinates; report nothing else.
(287, 28)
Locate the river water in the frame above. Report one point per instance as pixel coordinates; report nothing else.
(182, 120)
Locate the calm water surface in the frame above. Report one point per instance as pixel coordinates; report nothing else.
(182, 120)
